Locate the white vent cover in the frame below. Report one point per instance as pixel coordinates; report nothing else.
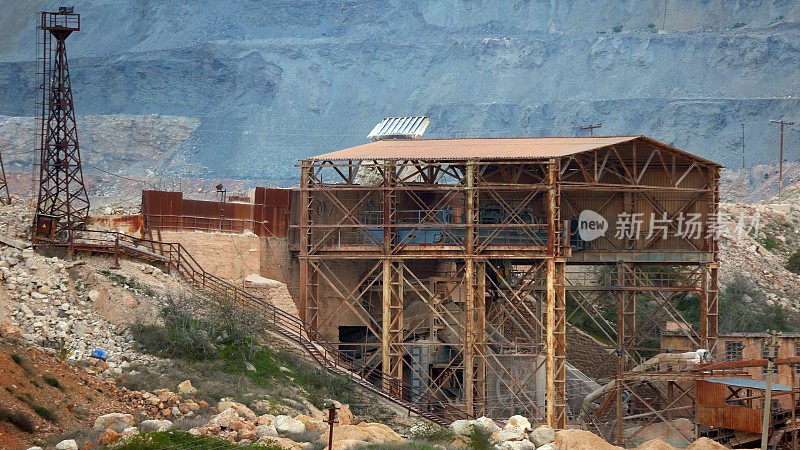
(399, 128)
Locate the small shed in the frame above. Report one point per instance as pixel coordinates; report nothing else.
(733, 403)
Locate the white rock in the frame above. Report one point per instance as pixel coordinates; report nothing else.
(461, 427)
(548, 447)
(542, 435)
(287, 425)
(519, 422)
(68, 444)
(93, 295)
(267, 430)
(485, 425)
(517, 445)
(510, 434)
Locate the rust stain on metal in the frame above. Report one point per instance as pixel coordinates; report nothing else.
(267, 216)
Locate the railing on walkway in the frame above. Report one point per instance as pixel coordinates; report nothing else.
(176, 257)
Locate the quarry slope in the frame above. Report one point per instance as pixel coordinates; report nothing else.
(270, 82)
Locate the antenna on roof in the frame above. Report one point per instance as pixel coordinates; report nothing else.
(399, 128)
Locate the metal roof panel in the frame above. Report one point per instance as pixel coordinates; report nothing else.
(749, 384)
(484, 148)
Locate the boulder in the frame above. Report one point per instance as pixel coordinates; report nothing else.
(371, 433)
(116, 421)
(510, 434)
(148, 426)
(226, 418)
(67, 444)
(266, 419)
(461, 427)
(108, 437)
(241, 409)
(266, 430)
(543, 435)
(312, 424)
(519, 422)
(281, 442)
(549, 446)
(130, 431)
(343, 413)
(287, 425)
(517, 445)
(248, 433)
(581, 440)
(185, 387)
(485, 425)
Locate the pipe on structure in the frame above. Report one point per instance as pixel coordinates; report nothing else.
(688, 357)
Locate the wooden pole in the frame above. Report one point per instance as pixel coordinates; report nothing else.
(766, 413)
(469, 280)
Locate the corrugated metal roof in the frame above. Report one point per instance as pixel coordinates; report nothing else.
(474, 148)
(487, 148)
(399, 127)
(749, 384)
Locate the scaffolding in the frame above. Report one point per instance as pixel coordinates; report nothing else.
(459, 266)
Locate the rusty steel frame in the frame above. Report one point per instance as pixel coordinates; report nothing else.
(62, 199)
(537, 305)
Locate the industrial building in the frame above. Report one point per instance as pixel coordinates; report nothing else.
(451, 267)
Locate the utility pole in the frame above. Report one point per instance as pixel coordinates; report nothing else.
(742, 146)
(767, 413)
(780, 161)
(591, 128)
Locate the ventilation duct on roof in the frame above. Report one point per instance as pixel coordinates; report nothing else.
(399, 128)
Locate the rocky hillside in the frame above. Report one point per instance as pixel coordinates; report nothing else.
(273, 81)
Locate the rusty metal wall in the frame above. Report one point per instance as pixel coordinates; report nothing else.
(271, 211)
(268, 216)
(712, 410)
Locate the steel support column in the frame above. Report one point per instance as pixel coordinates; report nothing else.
(305, 238)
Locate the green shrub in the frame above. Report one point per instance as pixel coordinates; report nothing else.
(478, 440)
(181, 439)
(651, 25)
(793, 265)
(20, 419)
(44, 412)
(738, 25)
(617, 29)
(52, 382)
(770, 243)
(759, 315)
(15, 357)
(429, 432)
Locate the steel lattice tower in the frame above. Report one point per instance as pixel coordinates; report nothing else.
(63, 204)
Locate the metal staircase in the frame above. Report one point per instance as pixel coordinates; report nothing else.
(176, 258)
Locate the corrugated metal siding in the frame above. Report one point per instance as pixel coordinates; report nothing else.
(268, 216)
